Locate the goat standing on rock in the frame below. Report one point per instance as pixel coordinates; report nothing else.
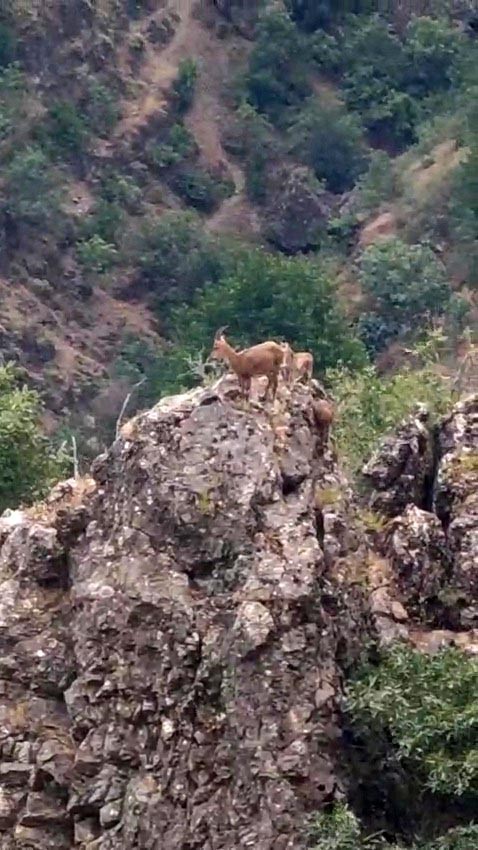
(263, 359)
(296, 365)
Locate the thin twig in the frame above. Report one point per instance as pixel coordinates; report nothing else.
(125, 405)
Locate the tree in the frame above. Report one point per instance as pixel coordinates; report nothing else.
(28, 464)
(331, 142)
(32, 190)
(175, 256)
(277, 75)
(406, 282)
(432, 48)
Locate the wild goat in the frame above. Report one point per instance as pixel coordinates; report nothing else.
(296, 365)
(324, 414)
(263, 359)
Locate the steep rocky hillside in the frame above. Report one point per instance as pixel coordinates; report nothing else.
(176, 630)
(118, 119)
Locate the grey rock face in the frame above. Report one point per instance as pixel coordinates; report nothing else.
(297, 211)
(397, 472)
(170, 636)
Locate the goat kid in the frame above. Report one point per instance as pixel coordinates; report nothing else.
(296, 365)
(263, 359)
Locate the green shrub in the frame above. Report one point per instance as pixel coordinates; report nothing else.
(423, 710)
(28, 464)
(377, 184)
(331, 142)
(432, 48)
(96, 255)
(31, 187)
(277, 74)
(200, 189)
(101, 108)
(371, 405)
(104, 221)
(185, 84)
(67, 128)
(175, 256)
(180, 143)
(121, 189)
(340, 829)
(406, 282)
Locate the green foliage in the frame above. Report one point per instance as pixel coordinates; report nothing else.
(28, 465)
(121, 189)
(254, 140)
(31, 187)
(7, 45)
(175, 256)
(424, 711)
(432, 48)
(179, 144)
(464, 212)
(200, 189)
(104, 221)
(101, 107)
(185, 84)
(277, 75)
(407, 284)
(68, 131)
(264, 296)
(96, 255)
(370, 405)
(340, 829)
(377, 184)
(331, 142)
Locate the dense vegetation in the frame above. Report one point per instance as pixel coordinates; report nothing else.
(359, 101)
(28, 464)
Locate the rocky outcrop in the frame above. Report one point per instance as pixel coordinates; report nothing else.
(174, 635)
(174, 631)
(426, 479)
(297, 211)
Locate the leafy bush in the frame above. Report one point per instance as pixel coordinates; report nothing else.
(175, 256)
(179, 144)
(104, 221)
(28, 464)
(377, 184)
(96, 255)
(431, 48)
(331, 142)
(253, 138)
(277, 74)
(371, 405)
(101, 107)
(423, 710)
(185, 84)
(31, 187)
(67, 128)
(121, 189)
(340, 829)
(202, 190)
(407, 283)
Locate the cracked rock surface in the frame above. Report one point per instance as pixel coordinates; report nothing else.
(174, 638)
(174, 631)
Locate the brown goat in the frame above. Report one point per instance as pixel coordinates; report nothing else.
(324, 414)
(303, 365)
(296, 365)
(263, 359)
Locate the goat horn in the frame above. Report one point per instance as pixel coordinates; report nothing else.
(220, 331)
